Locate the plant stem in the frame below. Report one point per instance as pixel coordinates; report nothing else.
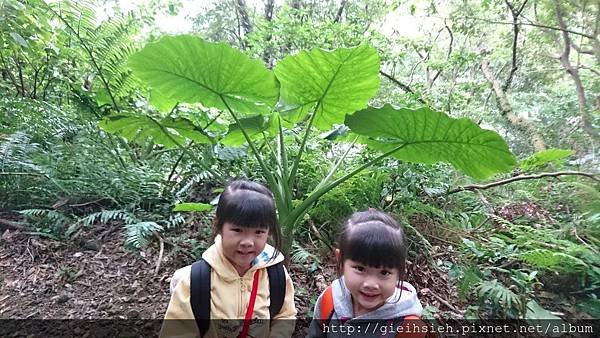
(300, 210)
(336, 165)
(268, 175)
(283, 165)
(185, 150)
(282, 153)
(292, 177)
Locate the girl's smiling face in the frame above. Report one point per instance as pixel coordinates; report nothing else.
(241, 245)
(370, 287)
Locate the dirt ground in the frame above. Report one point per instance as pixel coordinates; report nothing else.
(96, 277)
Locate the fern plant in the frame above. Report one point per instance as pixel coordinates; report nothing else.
(501, 299)
(106, 45)
(46, 222)
(54, 224)
(15, 153)
(138, 232)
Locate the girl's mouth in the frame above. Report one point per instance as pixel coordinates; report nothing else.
(369, 296)
(242, 253)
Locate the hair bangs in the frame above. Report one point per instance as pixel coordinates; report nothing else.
(374, 244)
(248, 209)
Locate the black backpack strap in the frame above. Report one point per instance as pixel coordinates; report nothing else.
(276, 288)
(200, 294)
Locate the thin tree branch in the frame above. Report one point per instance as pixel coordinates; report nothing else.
(515, 14)
(20, 70)
(447, 56)
(582, 66)
(476, 187)
(581, 50)
(532, 24)
(338, 16)
(401, 85)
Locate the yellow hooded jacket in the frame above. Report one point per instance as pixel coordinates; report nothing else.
(230, 295)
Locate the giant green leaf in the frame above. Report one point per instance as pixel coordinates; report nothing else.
(169, 132)
(254, 127)
(337, 83)
(188, 69)
(429, 136)
(160, 102)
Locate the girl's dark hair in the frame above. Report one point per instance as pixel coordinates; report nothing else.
(248, 204)
(372, 238)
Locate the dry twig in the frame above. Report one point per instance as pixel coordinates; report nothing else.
(160, 254)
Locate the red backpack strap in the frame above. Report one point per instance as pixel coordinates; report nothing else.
(326, 307)
(413, 323)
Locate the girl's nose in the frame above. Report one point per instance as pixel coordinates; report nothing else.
(370, 284)
(246, 242)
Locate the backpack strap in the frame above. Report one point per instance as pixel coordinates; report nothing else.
(200, 294)
(276, 288)
(326, 307)
(410, 332)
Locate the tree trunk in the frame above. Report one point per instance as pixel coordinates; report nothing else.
(268, 52)
(574, 72)
(506, 110)
(242, 10)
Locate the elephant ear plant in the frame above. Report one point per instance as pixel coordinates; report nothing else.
(310, 91)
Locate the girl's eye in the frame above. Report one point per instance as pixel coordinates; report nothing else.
(386, 272)
(359, 268)
(236, 229)
(260, 232)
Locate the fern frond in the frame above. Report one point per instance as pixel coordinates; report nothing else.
(175, 221)
(16, 153)
(53, 216)
(34, 212)
(498, 294)
(553, 260)
(301, 255)
(138, 233)
(188, 183)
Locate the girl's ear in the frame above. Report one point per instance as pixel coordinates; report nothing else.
(215, 221)
(337, 255)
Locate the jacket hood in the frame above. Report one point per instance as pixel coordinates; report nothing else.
(402, 303)
(215, 257)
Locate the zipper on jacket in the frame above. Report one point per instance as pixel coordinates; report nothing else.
(241, 308)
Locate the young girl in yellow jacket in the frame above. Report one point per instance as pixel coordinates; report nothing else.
(239, 284)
